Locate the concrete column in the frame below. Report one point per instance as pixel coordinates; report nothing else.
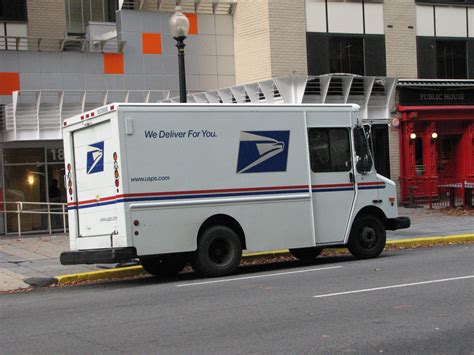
(46, 18)
(288, 37)
(400, 38)
(269, 39)
(252, 41)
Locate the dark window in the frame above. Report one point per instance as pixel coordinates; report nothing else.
(346, 55)
(425, 48)
(451, 59)
(374, 55)
(337, 53)
(362, 151)
(13, 10)
(379, 146)
(444, 58)
(329, 149)
(317, 45)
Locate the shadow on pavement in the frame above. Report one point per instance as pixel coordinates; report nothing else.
(190, 276)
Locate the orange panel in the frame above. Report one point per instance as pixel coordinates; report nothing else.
(9, 82)
(193, 23)
(151, 43)
(113, 63)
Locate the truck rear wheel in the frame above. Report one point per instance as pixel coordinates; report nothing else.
(367, 238)
(164, 266)
(218, 252)
(306, 254)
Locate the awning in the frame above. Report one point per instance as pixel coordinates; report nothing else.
(434, 83)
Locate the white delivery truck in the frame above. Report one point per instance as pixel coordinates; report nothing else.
(171, 184)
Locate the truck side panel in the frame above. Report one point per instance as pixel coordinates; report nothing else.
(184, 167)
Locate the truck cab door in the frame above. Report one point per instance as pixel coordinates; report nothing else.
(368, 185)
(332, 182)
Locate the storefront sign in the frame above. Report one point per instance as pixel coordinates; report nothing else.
(421, 96)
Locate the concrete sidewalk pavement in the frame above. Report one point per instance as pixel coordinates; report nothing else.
(36, 258)
(31, 257)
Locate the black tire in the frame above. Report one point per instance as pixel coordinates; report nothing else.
(367, 238)
(164, 266)
(218, 252)
(306, 254)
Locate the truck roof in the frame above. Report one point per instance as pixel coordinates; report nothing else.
(185, 107)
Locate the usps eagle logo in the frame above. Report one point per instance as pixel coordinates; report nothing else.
(263, 151)
(95, 158)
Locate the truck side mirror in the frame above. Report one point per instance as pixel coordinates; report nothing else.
(363, 164)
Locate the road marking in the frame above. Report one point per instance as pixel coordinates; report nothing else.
(257, 276)
(394, 286)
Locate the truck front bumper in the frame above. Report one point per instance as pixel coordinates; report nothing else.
(98, 256)
(393, 224)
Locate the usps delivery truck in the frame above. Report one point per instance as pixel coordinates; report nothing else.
(171, 184)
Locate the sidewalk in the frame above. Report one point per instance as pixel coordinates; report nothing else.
(38, 256)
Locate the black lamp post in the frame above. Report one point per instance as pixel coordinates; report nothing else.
(179, 29)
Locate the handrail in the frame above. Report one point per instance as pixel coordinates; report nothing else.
(49, 210)
(61, 44)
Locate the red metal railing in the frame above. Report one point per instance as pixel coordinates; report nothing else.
(436, 192)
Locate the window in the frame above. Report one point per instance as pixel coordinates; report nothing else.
(80, 12)
(329, 149)
(445, 58)
(351, 53)
(346, 55)
(13, 10)
(363, 157)
(379, 147)
(34, 175)
(451, 59)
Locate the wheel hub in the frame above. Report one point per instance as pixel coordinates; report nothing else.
(219, 251)
(368, 237)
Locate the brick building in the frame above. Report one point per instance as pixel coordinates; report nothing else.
(64, 56)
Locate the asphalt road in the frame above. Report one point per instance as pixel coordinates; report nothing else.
(406, 301)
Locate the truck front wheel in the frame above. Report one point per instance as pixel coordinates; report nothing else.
(218, 252)
(367, 238)
(164, 266)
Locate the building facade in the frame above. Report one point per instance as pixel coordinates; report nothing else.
(61, 57)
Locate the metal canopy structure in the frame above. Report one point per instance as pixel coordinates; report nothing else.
(374, 95)
(38, 114)
(216, 7)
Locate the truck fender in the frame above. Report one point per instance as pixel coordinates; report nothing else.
(223, 220)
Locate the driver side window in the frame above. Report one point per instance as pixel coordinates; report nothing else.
(363, 157)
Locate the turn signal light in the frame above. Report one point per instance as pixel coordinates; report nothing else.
(392, 200)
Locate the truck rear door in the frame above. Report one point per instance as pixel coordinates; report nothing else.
(95, 168)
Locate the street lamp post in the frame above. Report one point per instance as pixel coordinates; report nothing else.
(179, 28)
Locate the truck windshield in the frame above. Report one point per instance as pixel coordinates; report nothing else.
(362, 151)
